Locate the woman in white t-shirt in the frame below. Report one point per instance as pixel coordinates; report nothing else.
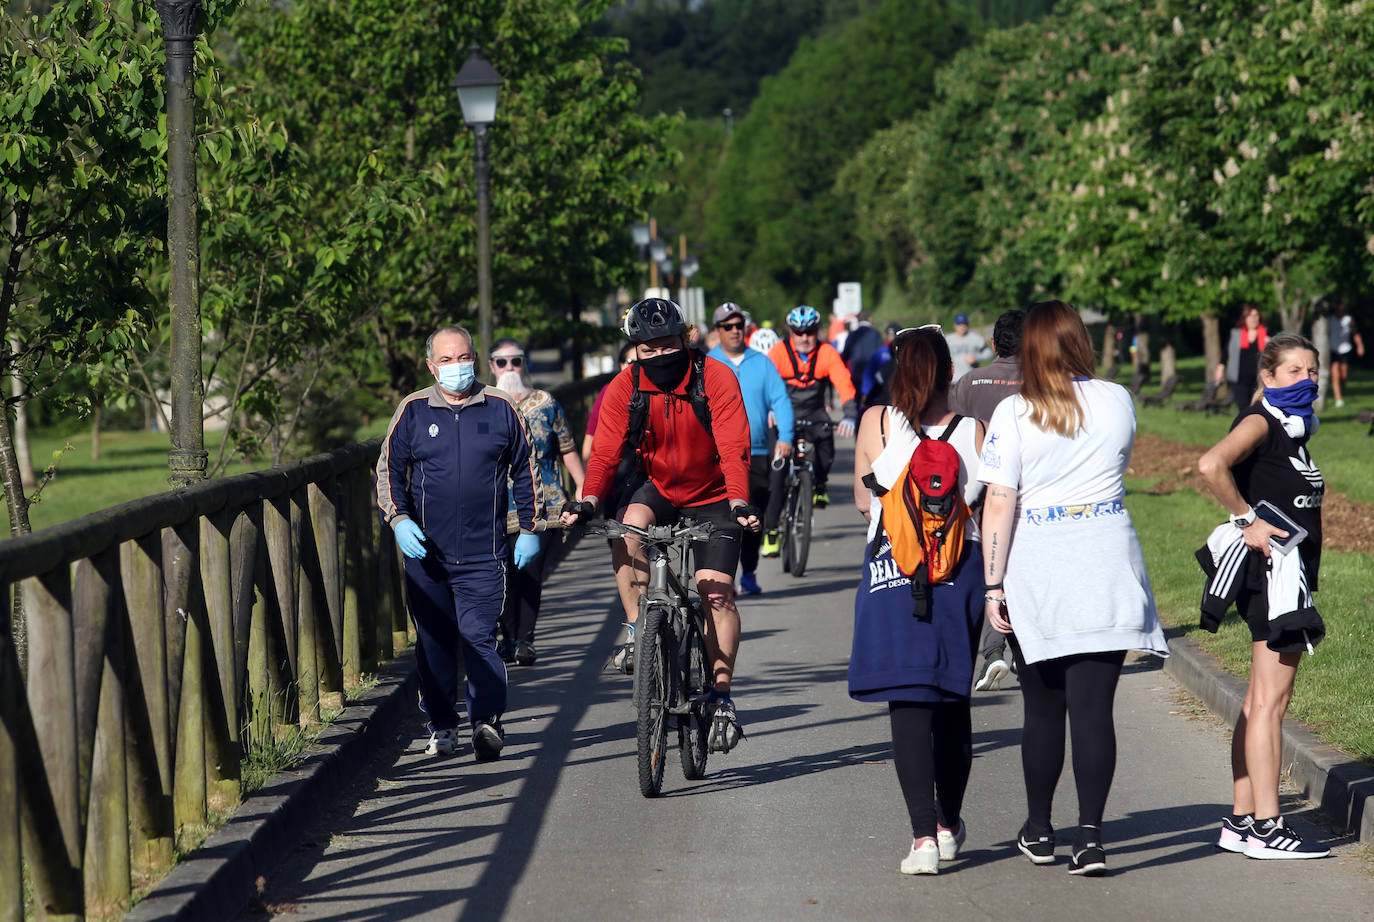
(921, 666)
(1064, 572)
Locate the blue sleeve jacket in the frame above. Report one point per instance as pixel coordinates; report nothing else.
(446, 467)
(763, 390)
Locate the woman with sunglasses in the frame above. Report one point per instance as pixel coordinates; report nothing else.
(551, 441)
(1063, 570)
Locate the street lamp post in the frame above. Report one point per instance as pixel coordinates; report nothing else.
(478, 84)
(187, 458)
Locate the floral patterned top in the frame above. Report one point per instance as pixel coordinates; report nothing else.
(550, 438)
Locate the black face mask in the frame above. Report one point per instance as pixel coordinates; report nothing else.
(667, 370)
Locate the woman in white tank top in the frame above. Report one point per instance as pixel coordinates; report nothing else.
(922, 667)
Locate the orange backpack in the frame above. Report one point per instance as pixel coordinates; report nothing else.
(924, 515)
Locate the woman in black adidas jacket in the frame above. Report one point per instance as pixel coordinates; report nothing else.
(1265, 457)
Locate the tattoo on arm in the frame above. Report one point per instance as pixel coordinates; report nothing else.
(992, 558)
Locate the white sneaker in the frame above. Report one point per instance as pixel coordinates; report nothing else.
(923, 859)
(950, 840)
(442, 743)
(996, 671)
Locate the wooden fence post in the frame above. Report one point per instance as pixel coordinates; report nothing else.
(280, 580)
(99, 617)
(147, 739)
(55, 853)
(186, 642)
(11, 836)
(222, 746)
(323, 511)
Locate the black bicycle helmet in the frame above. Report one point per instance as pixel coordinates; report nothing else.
(652, 318)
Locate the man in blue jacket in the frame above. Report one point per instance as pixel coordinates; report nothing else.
(441, 486)
(763, 391)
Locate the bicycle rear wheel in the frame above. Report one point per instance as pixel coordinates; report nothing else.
(652, 693)
(799, 525)
(693, 728)
(785, 528)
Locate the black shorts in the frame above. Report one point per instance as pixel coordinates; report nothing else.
(720, 551)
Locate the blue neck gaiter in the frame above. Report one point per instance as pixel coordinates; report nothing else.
(1295, 400)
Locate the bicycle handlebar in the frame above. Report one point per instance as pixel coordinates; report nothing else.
(660, 535)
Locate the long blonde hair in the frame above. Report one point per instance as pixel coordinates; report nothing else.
(1055, 349)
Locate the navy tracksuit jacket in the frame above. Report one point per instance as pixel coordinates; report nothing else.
(446, 467)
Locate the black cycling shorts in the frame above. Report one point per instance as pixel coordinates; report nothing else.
(720, 551)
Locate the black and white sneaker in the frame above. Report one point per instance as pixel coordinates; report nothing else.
(725, 729)
(1038, 848)
(1271, 839)
(1232, 838)
(1088, 859)
(993, 674)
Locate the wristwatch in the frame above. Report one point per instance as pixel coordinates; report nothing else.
(1245, 518)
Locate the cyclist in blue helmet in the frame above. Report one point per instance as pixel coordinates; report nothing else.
(808, 366)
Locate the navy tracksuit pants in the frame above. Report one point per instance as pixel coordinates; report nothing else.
(456, 608)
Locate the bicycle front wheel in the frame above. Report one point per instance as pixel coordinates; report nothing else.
(654, 658)
(799, 525)
(693, 728)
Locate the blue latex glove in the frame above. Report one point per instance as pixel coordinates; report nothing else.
(410, 539)
(526, 549)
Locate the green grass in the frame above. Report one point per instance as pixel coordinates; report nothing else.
(1331, 695)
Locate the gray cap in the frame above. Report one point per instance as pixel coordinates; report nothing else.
(726, 311)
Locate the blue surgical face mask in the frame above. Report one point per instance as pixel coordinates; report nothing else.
(456, 377)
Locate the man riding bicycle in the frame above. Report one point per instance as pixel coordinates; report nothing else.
(807, 365)
(678, 418)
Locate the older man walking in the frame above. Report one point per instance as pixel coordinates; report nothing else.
(442, 487)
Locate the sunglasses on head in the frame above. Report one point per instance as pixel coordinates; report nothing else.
(910, 331)
(731, 325)
(514, 361)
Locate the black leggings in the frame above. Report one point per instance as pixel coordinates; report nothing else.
(932, 748)
(1083, 686)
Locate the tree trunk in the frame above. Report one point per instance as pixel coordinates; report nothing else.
(1109, 350)
(575, 308)
(1168, 361)
(1321, 338)
(1292, 307)
(1211, 345)
(21, 422)
(96, 414)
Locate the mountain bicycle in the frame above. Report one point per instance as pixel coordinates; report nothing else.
(672, 672)
(794, 531)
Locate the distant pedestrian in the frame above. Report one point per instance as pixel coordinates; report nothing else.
(446, 460)
(966, 347)
(765, 397)
(920, 666)
(1064, 572)
(1264, 458)
(1345, 341)
(551, 442)
(1241, 371)
(594, 417)
(977, 394)
(863, 340)
(877, 376)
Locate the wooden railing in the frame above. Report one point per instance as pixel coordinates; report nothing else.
(167, 638)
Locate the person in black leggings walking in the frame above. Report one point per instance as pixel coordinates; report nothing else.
(1064, 572)
(921, 667)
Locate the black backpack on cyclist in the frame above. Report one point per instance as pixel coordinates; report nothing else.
(639, 413)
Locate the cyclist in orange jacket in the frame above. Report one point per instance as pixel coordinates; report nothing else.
(807, 365)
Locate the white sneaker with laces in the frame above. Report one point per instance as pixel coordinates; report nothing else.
(442, 743)
(924, 858)
(950, 840)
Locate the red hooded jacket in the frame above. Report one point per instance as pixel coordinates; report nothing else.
(686, 464)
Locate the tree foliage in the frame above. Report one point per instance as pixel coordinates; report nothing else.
(778, 231)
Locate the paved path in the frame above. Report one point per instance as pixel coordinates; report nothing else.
(803, 821)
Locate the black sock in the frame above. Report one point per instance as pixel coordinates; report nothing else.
(1240, 819)
(1088, 835)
